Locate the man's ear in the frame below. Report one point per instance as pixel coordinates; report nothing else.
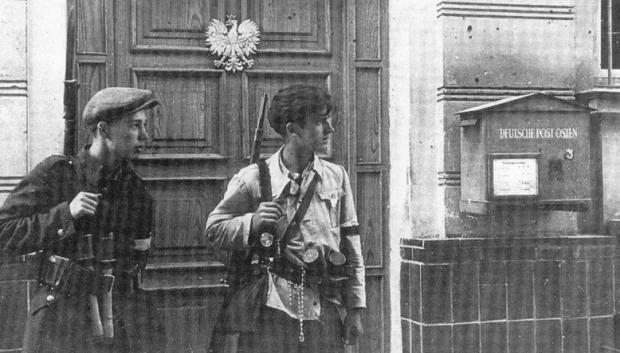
(103, 129)
(291, 128)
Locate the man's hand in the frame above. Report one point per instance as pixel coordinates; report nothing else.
(353, 328)
(84, 204)
(266, 217)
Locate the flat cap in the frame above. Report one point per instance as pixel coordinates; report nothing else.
(113, 103)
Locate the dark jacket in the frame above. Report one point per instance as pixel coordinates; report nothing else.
(36, 218)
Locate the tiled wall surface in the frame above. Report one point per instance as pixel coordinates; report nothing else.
(515, 295)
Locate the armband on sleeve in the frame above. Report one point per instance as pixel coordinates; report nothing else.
(142, 244)
(349, 231)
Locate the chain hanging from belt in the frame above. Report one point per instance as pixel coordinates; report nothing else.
(298, 288)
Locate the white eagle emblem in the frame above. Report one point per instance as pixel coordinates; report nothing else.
(233, 45)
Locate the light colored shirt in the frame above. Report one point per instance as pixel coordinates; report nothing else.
(331, 208)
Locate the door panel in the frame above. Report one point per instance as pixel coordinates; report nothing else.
(202, 134)
(172, 24)
(369, 205)
(91, 26)
(374, 339)
(181, 211)
(368, 117)
(189, 118)
(293, 26)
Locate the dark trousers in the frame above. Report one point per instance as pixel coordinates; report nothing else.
(279, 333)
(64, 326)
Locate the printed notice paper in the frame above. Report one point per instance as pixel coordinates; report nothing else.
(515, 177)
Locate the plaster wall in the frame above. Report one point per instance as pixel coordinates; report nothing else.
(13, 94)
(606, 101)
(610, 135)
(46, 70)
(400, 114)
(31, 74)
(426, 124)
(467, 54)
(587, 44)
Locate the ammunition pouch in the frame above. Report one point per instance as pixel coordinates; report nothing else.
(66, 277)
(337, 273)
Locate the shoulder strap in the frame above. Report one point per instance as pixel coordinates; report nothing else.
(264, 181)
(293, 226)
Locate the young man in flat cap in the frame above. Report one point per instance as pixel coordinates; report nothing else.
(314, 289)
(89, 220)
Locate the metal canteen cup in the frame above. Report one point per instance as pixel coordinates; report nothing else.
(269, 243)
(310, 255)
(336, 258)
(336, 265)
(266, 239)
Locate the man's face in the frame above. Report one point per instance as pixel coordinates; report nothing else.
(316, 131)
(128, 134)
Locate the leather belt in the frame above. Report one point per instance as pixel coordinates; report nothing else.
(293, 273)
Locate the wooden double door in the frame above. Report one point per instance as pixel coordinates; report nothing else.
(202, 133)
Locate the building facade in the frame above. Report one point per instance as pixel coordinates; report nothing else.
(441, 280)
(519, 278)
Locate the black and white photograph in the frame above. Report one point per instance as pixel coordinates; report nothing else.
(313, 176)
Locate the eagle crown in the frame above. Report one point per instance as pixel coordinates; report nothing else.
(231, 20)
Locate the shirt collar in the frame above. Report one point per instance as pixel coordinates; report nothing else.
(280, 174)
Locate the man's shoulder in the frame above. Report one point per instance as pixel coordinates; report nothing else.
(52, 163)
(332, 170)
(54, 160)
(248, 174)
(49, 173)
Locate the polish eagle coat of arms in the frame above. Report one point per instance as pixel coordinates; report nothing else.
(233, 44)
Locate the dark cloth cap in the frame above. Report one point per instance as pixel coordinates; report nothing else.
(113, 103)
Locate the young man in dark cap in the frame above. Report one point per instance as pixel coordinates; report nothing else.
(89, 220)
(314, 289)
